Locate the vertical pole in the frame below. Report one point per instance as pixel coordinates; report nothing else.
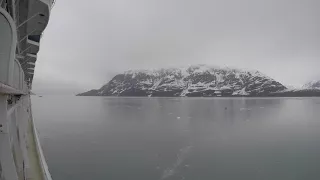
(22, 117)
(15, 134)
(6, 157)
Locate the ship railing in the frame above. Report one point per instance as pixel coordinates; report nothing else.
(14, 114)
(15, 120)
(15, 110)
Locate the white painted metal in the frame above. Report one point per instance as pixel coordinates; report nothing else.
(21, 79)
(14, 122)
(22, 124)
(8, 36)
(15, 144)
(5, 89)
(17, 131)
(19, 56)
(48, 2)
(6, 157)
(32, 55)
(16, 75)
(33, 42)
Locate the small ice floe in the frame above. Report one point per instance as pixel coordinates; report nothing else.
(261, 107)
(170, 113)
(178, 117)
(245, 109)
(187, 165)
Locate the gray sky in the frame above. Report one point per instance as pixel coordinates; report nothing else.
(85, 44)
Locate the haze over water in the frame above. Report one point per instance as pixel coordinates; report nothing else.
(179, 138)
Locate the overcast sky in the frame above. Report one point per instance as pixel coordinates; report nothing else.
(88, 42)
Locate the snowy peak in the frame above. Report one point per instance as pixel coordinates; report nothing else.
(312, 85)
(198, 80)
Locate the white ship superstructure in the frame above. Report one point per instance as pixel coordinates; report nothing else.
(22, 23)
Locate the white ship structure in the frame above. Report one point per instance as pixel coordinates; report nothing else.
(22, 23)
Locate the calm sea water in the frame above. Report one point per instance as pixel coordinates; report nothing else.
(97, 138)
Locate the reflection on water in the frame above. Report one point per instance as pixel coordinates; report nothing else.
(180, 138)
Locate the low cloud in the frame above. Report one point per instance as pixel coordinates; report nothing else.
(83, 49)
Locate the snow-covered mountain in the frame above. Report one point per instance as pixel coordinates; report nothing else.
(199, 80)
(312, 85)
(311, 89)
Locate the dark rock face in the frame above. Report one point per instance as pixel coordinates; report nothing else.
(92, 92)
(297, 93)
(194, 81)
(311, 89)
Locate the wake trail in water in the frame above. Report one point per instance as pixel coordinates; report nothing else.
(181, 156)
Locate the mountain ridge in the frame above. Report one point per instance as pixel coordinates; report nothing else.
(195, 80)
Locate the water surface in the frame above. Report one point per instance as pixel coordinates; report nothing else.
(179, 138)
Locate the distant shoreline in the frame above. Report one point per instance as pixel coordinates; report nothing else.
(299, 93)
